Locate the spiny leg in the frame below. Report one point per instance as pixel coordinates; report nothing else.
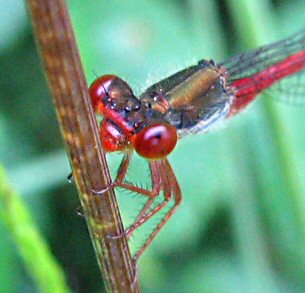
(151, 194)
(156, 185)
(166, 187)
(122, 171)
(175, 190)
(120, 175)
(155, 178)
(119, 180)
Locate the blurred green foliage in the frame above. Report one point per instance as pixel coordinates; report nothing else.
(241, 227)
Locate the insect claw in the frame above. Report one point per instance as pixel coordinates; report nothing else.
(101, 191)
(80, 211)
(118, 236)
(70, 177)
(136, 271)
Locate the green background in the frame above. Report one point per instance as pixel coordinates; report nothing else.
(241, 227)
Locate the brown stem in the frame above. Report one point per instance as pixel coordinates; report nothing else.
(63, 68)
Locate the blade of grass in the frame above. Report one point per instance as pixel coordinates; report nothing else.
(37, 256)
(248, 226)
(63, 68)
(257, 23)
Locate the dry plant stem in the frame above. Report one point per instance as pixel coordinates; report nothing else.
(67, 82)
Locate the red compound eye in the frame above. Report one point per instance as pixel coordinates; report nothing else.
(155, 141)
(98, 89)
